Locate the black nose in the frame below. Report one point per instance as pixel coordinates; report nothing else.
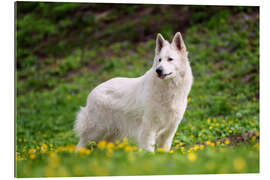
(159, 70)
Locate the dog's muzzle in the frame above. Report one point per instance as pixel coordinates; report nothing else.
(160, 74)
(159, 71)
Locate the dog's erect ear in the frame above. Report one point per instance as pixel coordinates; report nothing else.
(178, 43)
(160, 42)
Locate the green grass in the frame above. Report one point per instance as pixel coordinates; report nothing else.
(61, 58)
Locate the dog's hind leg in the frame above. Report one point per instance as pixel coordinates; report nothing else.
(87, 129)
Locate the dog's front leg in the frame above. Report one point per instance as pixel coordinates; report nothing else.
(147, 138)
(164, 140)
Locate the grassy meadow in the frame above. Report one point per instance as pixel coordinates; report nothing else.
(64, 50)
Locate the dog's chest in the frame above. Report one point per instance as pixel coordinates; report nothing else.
(164, 107)
(165, 99)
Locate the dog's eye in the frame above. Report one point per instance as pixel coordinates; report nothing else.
(159, 59)
(170, 59)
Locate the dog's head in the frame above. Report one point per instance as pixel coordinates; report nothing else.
(170, 58)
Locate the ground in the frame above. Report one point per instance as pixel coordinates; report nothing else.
(64, 50)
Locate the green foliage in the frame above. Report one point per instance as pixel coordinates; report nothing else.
(64, 50)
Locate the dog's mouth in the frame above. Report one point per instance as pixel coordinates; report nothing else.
(162, 76)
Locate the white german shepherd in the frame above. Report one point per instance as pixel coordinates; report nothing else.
(147, 109)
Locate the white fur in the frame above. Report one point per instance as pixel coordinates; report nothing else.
(147, 109)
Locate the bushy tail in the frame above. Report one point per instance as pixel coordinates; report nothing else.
(81, 120)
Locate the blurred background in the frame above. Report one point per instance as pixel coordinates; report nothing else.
(64, 50)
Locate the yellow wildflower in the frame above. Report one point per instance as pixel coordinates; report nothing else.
(135, 148)
(208, 142)
(196, 147)
(128, 149)
(59, 149)
(253, 138)
(182, 149)
(110, 145)
(189, 99)
(102, 144)
(32, 156)
(32, 151)
(161, 150)
(192, 157)
(84, 151)
(119, 146)
(171, 151)
(257, 133)
(190, 150)
(18, 157)
(227, 141)
(71, 148)
(44, 148)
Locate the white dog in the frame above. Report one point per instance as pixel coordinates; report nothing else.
(147, 109)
